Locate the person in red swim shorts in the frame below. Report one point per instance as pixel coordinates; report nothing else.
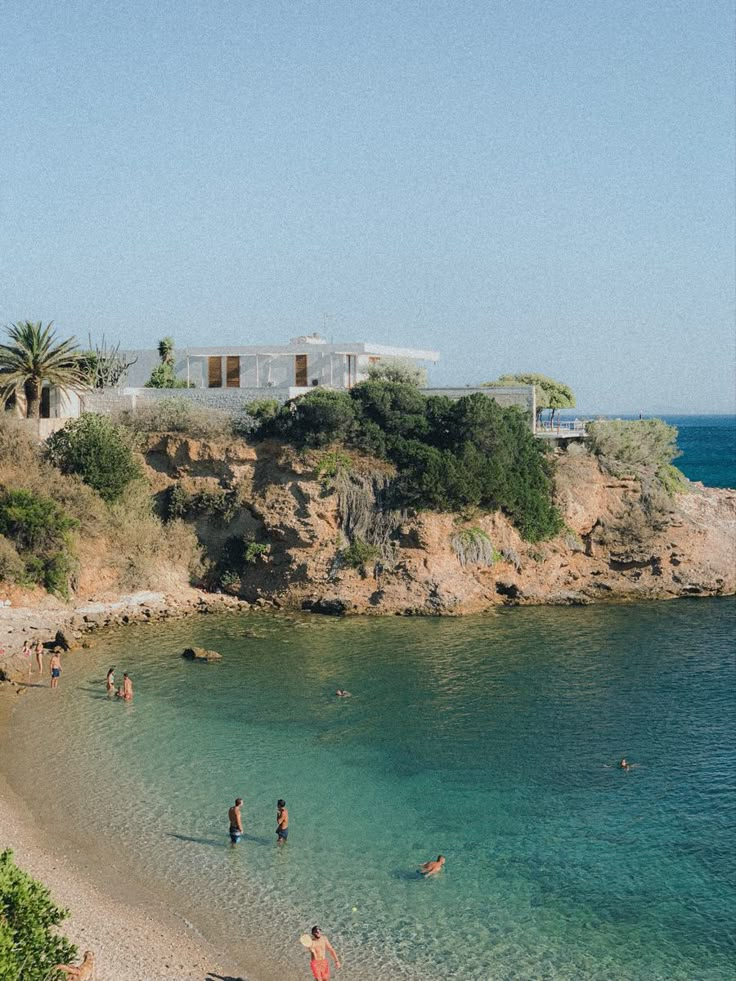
(318, 950)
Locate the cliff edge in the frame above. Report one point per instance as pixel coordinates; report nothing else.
(273, 527)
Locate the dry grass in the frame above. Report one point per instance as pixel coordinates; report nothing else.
(119, 547)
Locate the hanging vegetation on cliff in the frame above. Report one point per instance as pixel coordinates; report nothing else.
(450, 455)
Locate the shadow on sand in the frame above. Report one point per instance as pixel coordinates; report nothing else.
(221, 977)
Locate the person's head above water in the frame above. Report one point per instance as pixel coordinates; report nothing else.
(316, 932)
(280, 803)
(441, 858)
(238, 801)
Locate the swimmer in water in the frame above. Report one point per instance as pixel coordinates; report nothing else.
(432, 868)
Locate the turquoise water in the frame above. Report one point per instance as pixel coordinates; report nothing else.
(488, 739)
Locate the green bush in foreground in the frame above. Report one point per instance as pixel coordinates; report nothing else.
(29, 947)
(96, 450)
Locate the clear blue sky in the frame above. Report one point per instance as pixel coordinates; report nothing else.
(525, 185)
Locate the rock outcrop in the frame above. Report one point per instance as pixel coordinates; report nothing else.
(612, 547)
(201, 654)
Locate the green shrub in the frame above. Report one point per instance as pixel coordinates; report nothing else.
(315, 419)
(229, 580)
(40, 531)
(12, 567)
(98, 451)
(176, 502)
(29, 945)
(164, 376)
(358, 554)
(672, 480)
(263, 409)
(218, 502)
(332, 464)
(626, 447)
(255, 551)
(450, 455)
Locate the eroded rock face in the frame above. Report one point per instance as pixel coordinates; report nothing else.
(201, 654)
(609, 550)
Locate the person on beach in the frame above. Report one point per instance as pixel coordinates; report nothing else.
(110, 682)
(319, 947)
(282, 822)
(55, 665)
(432, 868)
(236, 822)
(27, 652)
(39, 657)
(81, 973)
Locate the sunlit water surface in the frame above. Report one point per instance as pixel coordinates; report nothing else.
(489, 739)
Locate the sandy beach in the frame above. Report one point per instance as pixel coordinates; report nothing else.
(132, 938)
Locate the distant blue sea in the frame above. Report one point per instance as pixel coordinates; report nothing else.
(708, 445)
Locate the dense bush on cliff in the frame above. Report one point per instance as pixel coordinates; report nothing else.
(30, 947)
(39, 530)
(450, 455)
(57, 531)
(96, 450)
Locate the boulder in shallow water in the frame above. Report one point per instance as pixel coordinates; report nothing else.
(200, 654)
(66, 640)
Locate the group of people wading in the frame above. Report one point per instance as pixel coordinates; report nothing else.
(124, 691)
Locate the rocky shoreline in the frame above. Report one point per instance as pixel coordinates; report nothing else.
(69, 628)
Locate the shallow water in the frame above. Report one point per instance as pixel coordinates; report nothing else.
(489, 739)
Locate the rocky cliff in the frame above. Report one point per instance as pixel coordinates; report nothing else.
(615, 544)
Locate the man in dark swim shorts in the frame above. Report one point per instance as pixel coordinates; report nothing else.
(282, 822)
(236, 822)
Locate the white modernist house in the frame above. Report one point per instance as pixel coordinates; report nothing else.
(303, 363)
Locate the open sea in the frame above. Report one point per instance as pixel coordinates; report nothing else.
(490, 739)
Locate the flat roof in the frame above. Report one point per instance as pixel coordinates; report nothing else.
(306, 347)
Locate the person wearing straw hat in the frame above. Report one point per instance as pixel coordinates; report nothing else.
(319, 946)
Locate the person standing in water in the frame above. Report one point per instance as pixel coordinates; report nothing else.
(127, 688)
(39, 657)
(318, 950)
(282, 822)
(236, 822)
(110, 682)
(55, 665)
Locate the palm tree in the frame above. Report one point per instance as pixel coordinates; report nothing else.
(33, 356)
